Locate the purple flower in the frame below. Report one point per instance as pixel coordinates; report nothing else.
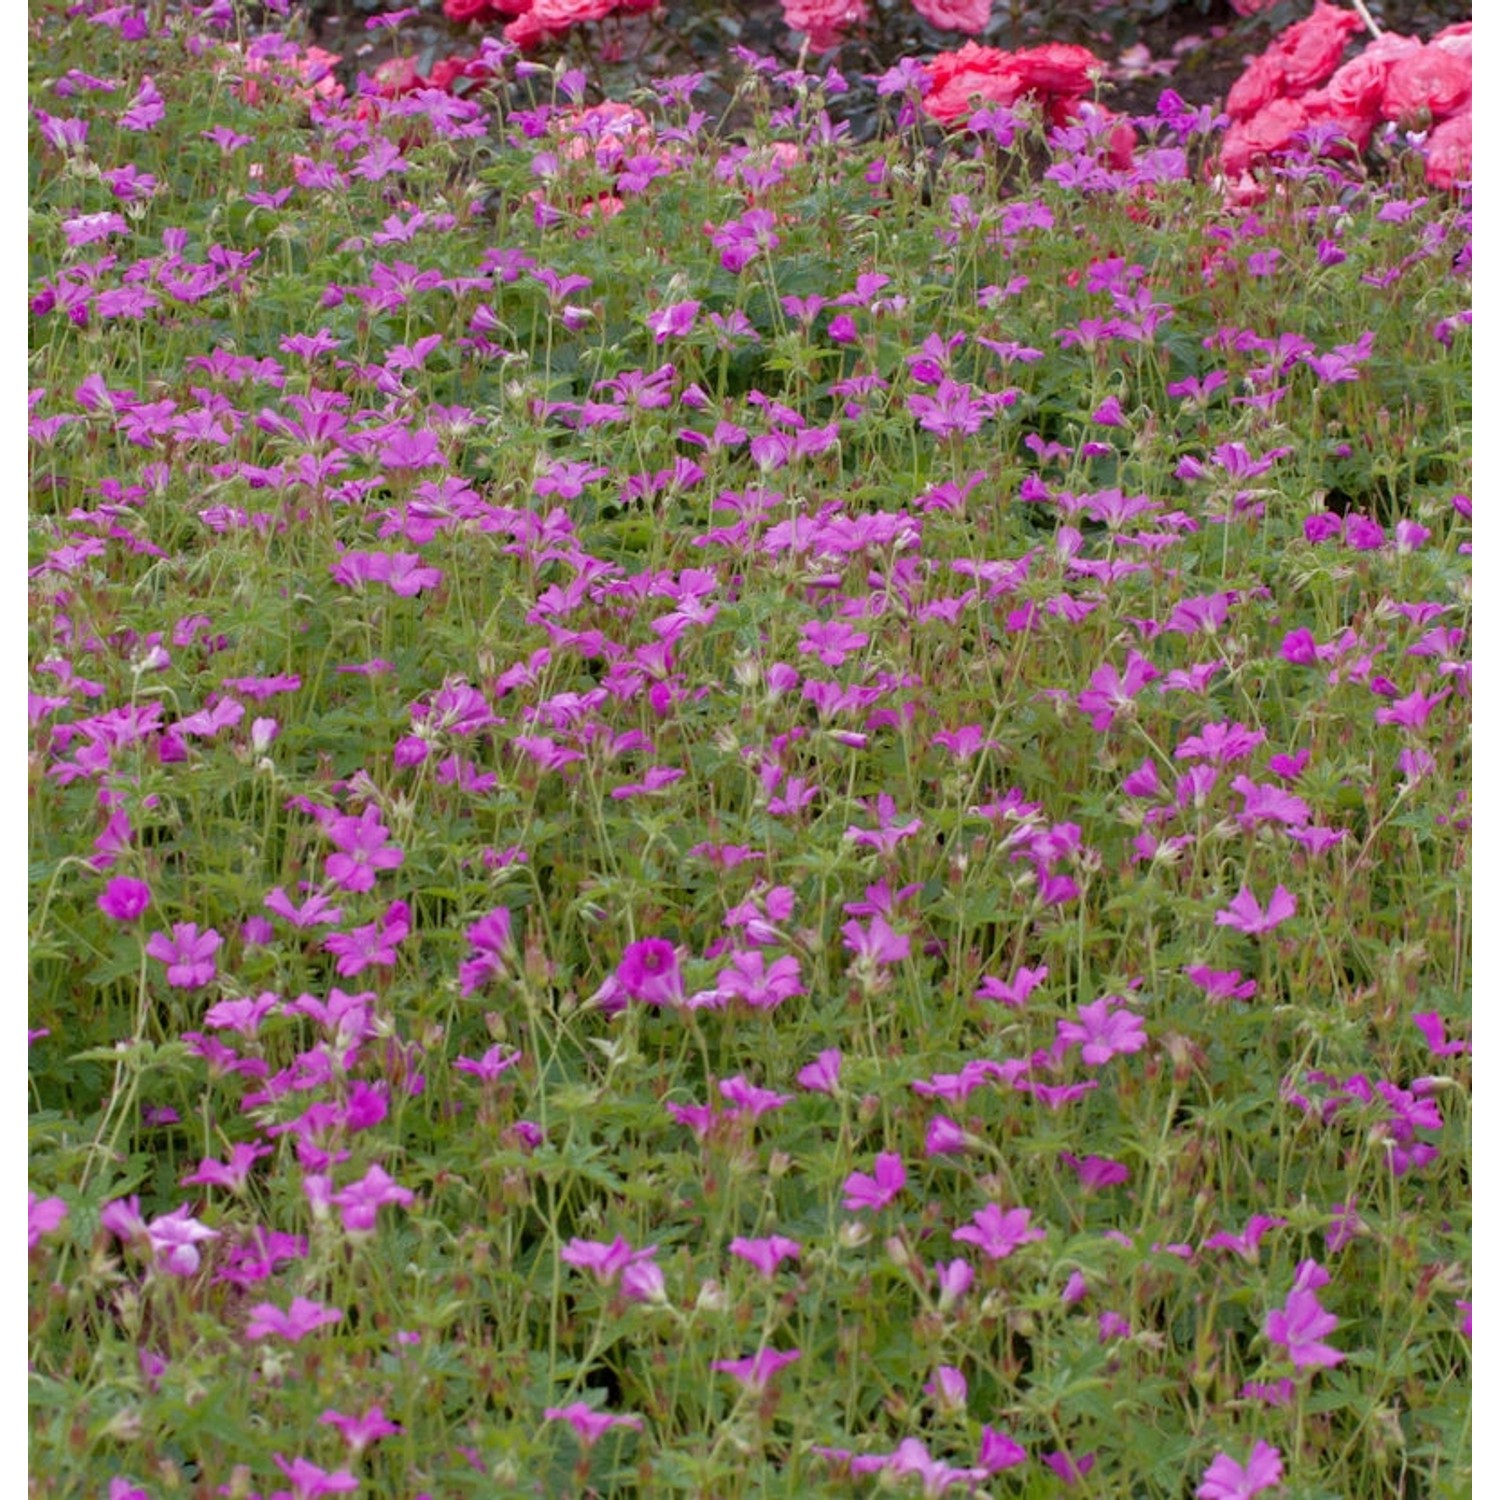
(309, 1482)
(649, 972)
(301, 1318)
(1246, 1244)
(1245, 913)
(175, 1238)
(822, 1075)
(360, 1432)
(765, 1254)
(1097, 1171)
(1224, 1479)
(861, 1191)
(124, 899)
(590, 1425)
(606, 1261)
(998, 1232)
(1103, 1032)
(948, 1389)
(43, 1215)
(675, 320)
(748, 1099)
(362, 845)
(1299, 1326)
(877, 944)
(998, 1451)
(945, 1137)
(755, 1373)
(358, 1203)
(189, 956)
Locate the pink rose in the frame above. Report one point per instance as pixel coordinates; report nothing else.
(1310, 50)
(1359, 86)
(1058, 68)
(971, 16)
(973, 71)
(1255, 88)
(1250, 7)
(1458, 40)
(1450, 151)
(824, 20)
(1431, 84)
(1272, 129)
(462, 11)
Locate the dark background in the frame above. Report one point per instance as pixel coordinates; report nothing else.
(696, 35)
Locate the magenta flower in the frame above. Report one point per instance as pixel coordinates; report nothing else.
(877, 944)
(590, 1425)
(124, 899)
(1246, 1244)
(606, 1261)
(43, 1215)
(948, 1389)
(649, 972)
(750, 980)
(953, 1278)
(309, 1482)
(1109, 694)
(999, 1232)
(831, 641)
(822, 1075)
(490, 1066)
(359, 1202)
(300, 1319)
(1096, 1171)
(189, 956)
(765, 1254)
(674, 320)
(1245, 913)
(756, 1372)
(175, 1238)
(1224, 1479)
(945, 1137)
(1300, 1325)
(747, 1098)
(861, 1191)
(362, 844)
(1014, 992)
(1220, 984)
(360, 1432)
(998, 1451)
(233, 1174)
(491, 945)
(1103, 1032)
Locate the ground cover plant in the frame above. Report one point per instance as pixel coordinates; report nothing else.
(715, 812)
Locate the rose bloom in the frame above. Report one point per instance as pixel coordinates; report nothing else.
(1272, 129)
(1255, 88)
(544, 18)
(461, 11)
(823, 20)
(1058, 68)
(1311, 49)
(971, 16)
(1432, 83)
(1458, 39)
(1450, 151)
(1358, 87)
(957, 77)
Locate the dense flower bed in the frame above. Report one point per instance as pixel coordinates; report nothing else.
(717, 813)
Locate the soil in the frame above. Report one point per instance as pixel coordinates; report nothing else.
(1196, 47)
